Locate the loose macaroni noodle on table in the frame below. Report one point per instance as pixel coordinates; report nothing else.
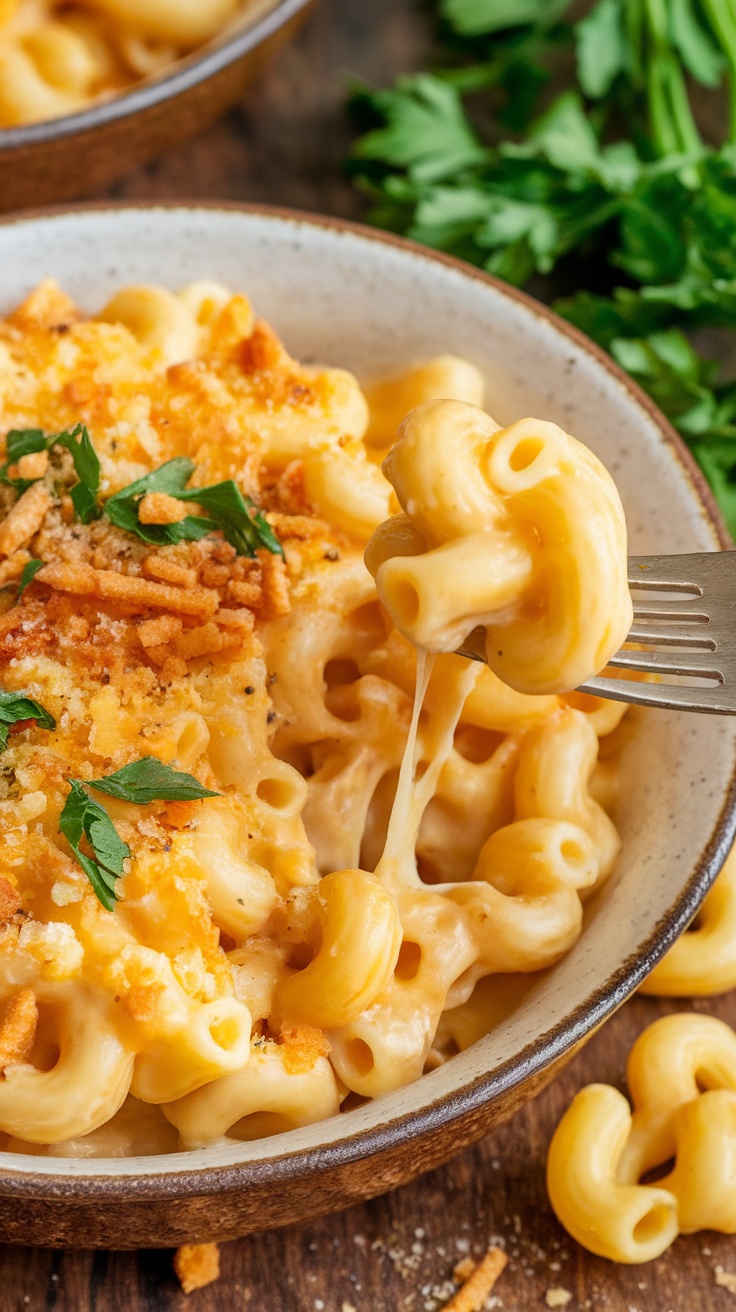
(682, 1079)
(393, 843)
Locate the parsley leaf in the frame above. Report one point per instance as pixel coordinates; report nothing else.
(87, 467)
(149, 780)
(244, 527)
(171, 478)
(602, 49)
(30, 570)
(471, 17)
(426, 130)
(21, 442)
(27, 441)
(143, 781)
(14, 707)
(83, 817)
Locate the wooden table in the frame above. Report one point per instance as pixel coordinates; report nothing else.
(284, 145)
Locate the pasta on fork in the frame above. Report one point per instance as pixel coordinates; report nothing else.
(262, 857)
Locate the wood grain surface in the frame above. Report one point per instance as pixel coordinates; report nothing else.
(284, 145)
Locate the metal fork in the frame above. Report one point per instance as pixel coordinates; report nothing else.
(695, 625)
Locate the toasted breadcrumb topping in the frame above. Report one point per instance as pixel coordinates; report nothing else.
(143, 650)
(479, 1283)
(197, 1265)
(18, 1028)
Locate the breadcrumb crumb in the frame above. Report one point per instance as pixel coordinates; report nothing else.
(9, 901)
(557, 1297)
(18, 1029)
(479, 1284)
(463, 1271)
(160, 508)
(727, 1279)
(197, 1265)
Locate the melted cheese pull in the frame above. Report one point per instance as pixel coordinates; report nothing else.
(518, 529)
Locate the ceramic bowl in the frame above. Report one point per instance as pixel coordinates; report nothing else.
(370, 302)
(62, 158)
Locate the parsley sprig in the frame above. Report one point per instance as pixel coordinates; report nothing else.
(610, 185)
(242, 524)
(15, 709)
(149, 780)
(27, 441)
(82, 817)
(143, 781)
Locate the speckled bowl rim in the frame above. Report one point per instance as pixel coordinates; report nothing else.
(31, 1182)
(185, 74)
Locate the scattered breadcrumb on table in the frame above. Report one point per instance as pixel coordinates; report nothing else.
(557, 1297)
(727, 1279)
(197, 1265)
(479, 1283)
(463, 1270)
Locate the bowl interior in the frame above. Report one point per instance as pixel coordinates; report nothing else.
(353, 298)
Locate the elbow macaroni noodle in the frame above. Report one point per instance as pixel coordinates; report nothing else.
(517, 529)
(682, 1079)
(400, 842)
(58, 58)
(703, 960)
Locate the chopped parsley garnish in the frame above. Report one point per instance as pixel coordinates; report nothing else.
(15, 708)
(27, 441)
(228, 510)
(242, 524)
(30, 570)
(87, 466)
(21, 442)
(82, 817)
(147, 780)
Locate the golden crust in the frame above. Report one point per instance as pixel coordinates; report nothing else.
(25, 518)
(18, 1029)
(128, 644)
(303, 1045)
(9, 901)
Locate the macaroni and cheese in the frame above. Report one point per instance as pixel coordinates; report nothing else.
(58, 58)
(261, 858)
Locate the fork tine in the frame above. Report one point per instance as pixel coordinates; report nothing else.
(689, 634)
(679, 610)
(711, 701)
(669, 573)
(674, 637)
(698, 664)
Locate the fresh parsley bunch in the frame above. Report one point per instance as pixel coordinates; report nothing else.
(538, 136)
